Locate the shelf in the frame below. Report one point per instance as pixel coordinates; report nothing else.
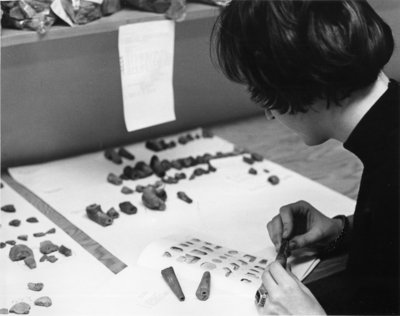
(10, 37)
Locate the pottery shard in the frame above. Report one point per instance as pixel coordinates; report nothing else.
(96, 214)
(9, 208)
(35, 286)
(154, 198)
(20, 252)
(39, 234)
(32, 220)
(114, 179)
(15, 222)
(30, 262)
(20, 308)
(44, 301)
(47, 247)
(65, 251)
(128, 208)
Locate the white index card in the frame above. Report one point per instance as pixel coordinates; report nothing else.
(146, 52)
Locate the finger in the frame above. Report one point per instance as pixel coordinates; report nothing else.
(305, 240)
(286, 214)
(275, 228)
(269, 282)
(279, 274)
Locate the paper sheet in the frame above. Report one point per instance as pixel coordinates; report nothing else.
(67, 281)
(146, 52)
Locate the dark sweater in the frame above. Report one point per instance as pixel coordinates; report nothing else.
(370, 284)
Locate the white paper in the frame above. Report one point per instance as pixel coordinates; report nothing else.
(146, 52)
(68, 281)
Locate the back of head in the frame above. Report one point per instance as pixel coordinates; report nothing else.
(290, 53)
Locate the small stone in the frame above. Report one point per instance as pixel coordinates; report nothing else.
(170, 180)
(207, 133)
(30, 262)
(126, 190)
(47, 247)
(114, 179)
(32, 220)
(35, 286)
(9, 208)
(112, 155)
(139, 188)
(127, 208)
(23, 237)
(51, 231)
(153, 198)
(256, 157)
(43, 258)
(252, 171)
(11, 242)
(183, 196)
(211, 168)
(96, 214)
(20, 252)
(65, 251)
(273, 180)
(20, 308)
(154, 145)
(123, 152)
(44, 301)
(180, 175)
(39, 234)
(2, 245)
(248, 160)
(112, 212)
(15, 222)
(52, 258)
(3, 311)
(266, 170)
(1, 185)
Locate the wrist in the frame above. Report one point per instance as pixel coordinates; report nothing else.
(339, 238)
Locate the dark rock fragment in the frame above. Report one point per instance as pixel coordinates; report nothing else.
(183, 196)
(47, 247)
(20, 252)
(9, 208)
(20, 308)
(11, 242)
(2, 245)
(44, 301)
(37, 287)
(170, 180)
(43, 258)
(123, 152)
(139, 188)
(32, 220)
(128, 208)
(165, 164)
(15, 222)
(112, 212)
(114, 179)
(51, 231)
(112, 155)
(154, 145)
(211, 168)
(39, 234)
(65, 251)
(273, 180)
(199, 171)
(96, 214)
(52, 259)
(248, 160)
(1, 185)
(156, 166)
(256, 157)
(126, 190)
(23, 237)
(206, 133)
(30, 262)
(252, 171)
(153, 199)
(176, 164)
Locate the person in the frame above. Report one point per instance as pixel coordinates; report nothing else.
(316, 66)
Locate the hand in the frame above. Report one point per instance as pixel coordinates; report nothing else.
(286, 294)
(304, 225)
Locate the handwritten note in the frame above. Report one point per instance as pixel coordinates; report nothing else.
(146, 52)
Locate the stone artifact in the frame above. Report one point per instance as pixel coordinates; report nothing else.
(273, 180)
(30, 262)
(11, 242)
(15, 222)
(44, 301)
(112, 212)
(47, 247)
(203, 291)
(20, 308)
(126, 190)
(37, 287)
(95, 213)
(32, 220)
(139, 188)
(169, 276)
(9, 208)
(23, 237)
(39, 234)
(127, 208)
(52, 258)
(252, 171)
(180, 176)
(123, 152)
(183, 196)
(154, 198)
(51, 231)
(157, 167)
(256, 157)
(20, 252)
(248, 160)
(170, 180)
(65, 251)
(112, 155)
(159, 144)
(2, 245)
(114, 179)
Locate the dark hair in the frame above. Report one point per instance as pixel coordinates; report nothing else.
(290, 53)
